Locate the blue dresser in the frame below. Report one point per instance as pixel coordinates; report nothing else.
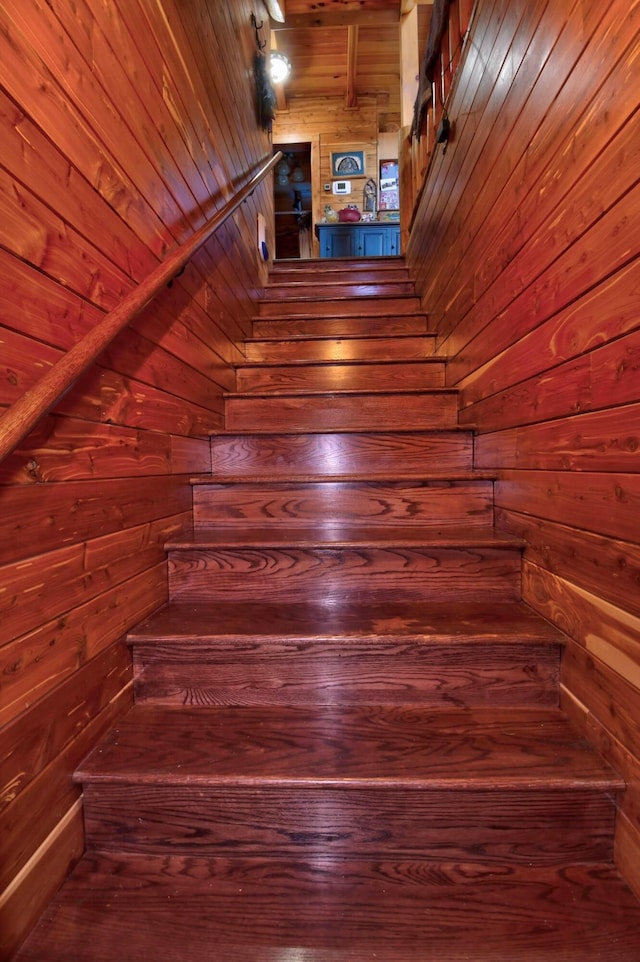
(358, 239)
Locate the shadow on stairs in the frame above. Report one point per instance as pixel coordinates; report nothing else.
(346, 742)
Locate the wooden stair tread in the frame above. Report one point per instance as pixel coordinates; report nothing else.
(341, 911)
(300, 291)
(430, 359)
(286, 430)
(281, 535)
(352, 748)
(339, 391)
(296, 338)
(435, 477)
(463, 623)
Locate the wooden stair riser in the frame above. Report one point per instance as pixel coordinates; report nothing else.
(358, 573)
(342, 307)
(278, 455)
(429, 504)
(265, 820)
(291, 292)
(329, 265)
(376, 348)
(342, 412)
(417, 375)
(373, 274)
(206, 673)
(340, 326)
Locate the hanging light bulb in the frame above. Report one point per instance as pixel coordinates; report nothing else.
(280, 67)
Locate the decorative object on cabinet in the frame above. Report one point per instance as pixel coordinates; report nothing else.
(349, 162)
(349, 213)
(369, 195)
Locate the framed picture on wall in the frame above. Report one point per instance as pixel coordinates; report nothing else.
(388, 197)
(388, 175)
(348, 163)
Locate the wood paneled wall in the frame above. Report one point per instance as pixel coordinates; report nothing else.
(330, 126)
(525, 251)
(123, 126)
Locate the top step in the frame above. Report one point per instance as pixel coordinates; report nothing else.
(347, 265)
(314, 287)
(338, 274)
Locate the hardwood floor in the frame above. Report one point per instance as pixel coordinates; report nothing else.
(132, 907)
(346, 744)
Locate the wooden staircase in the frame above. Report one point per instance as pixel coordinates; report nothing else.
(346, 743)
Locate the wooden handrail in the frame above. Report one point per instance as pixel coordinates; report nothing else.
(23, 415)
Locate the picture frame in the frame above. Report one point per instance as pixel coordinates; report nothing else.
(388, 175)
(347, 163)
(389, 193)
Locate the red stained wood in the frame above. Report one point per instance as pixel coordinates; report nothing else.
(415, 411)
(79, 510)
(407, 572)
(199, 654)
(346, 307)
(28, 820)
(602, 441)
(601, 378)
(27, 748)
(339, 272)
(307, 290)
(297, 326)
(309, 748)
(435, 503)
(273, 822)
(415, 375)
(387, 910)
(604, 567)
(607, 504)
(282, 455)
(350, 348)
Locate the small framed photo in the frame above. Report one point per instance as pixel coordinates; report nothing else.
(388, 175)
(348, 163)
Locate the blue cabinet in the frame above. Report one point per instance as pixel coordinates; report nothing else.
(359, 240)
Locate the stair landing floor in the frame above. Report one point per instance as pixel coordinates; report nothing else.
(126, 908)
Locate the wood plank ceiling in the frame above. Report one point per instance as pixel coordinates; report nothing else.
(348, 49)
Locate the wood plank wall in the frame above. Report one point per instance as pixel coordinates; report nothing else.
(525, 251)
(330, 126)
(123, 126)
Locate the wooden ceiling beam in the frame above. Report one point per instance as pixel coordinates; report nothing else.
(351, 99)
(340, 18)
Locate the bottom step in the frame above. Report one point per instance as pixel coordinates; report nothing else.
(128, 908)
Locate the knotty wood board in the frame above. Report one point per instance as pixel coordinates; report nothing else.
(602, 566)
(119, 138)
(530, 279)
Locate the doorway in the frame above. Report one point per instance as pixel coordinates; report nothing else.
(293, 201)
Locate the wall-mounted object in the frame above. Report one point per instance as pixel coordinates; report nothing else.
(342, 187)
(279, 67)
(274, 10)
(389, 196)
(348, 162)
